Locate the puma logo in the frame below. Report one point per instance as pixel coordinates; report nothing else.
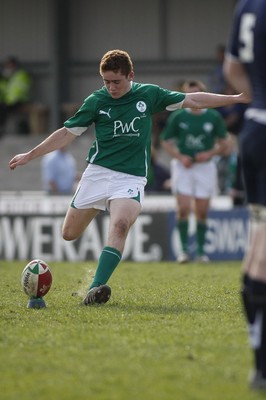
(105, 112)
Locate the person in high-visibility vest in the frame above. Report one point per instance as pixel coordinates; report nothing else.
(15, 87)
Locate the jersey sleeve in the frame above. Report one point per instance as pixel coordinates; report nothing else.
(83, 118)
(174, 107)
(165, 98)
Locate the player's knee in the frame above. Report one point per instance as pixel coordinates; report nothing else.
(183, 213)
(121, 227)
(67, 234)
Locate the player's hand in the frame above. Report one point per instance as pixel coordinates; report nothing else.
(244, 98)
(186, 161)
(19, 159)
(203, 156)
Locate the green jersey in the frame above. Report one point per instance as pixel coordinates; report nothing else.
(122, 126)
(194, 133)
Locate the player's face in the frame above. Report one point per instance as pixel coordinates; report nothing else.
(116, 83)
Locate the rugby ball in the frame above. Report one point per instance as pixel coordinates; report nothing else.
(36, 279)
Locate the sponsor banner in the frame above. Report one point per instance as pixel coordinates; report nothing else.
(152, 238)
(227, 234)
(28, 236)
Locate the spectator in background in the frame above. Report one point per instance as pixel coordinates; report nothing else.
(15, 86)
(192, 138)
(216, 81)
(59, 172)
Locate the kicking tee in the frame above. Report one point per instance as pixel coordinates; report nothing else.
(122, 126)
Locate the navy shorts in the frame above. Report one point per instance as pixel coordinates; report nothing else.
(253, 160)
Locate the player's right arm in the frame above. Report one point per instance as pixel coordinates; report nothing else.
(56, 140)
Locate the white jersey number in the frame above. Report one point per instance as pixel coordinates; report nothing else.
(246, 36)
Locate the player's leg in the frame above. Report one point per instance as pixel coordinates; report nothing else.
(201, 211)
(89, 199)
(123, 214)
(254, 293)
(205, 177)
(76, 221)
(182, 188)
(252, 145)
(182, 217)
(124, 199)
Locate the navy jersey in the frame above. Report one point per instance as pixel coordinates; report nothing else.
(248, 45)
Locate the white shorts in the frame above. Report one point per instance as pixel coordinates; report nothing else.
(99, 185)
(199, 181)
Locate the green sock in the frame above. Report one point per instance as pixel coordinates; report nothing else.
(182, 226)
(108, 261)
(200, 235)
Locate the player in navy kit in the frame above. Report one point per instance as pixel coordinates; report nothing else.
(119, 159)
(245, 69)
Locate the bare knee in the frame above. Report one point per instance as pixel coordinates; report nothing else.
(183, 213)
(118, 233)
(121, 227)
(68, 234)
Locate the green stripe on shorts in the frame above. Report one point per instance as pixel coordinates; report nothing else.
(137, 197)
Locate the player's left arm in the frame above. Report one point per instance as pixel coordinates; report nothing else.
(212, 100)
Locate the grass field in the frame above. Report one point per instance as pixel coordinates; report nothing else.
(169, 332)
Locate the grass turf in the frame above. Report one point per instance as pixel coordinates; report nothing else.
(168, 332)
